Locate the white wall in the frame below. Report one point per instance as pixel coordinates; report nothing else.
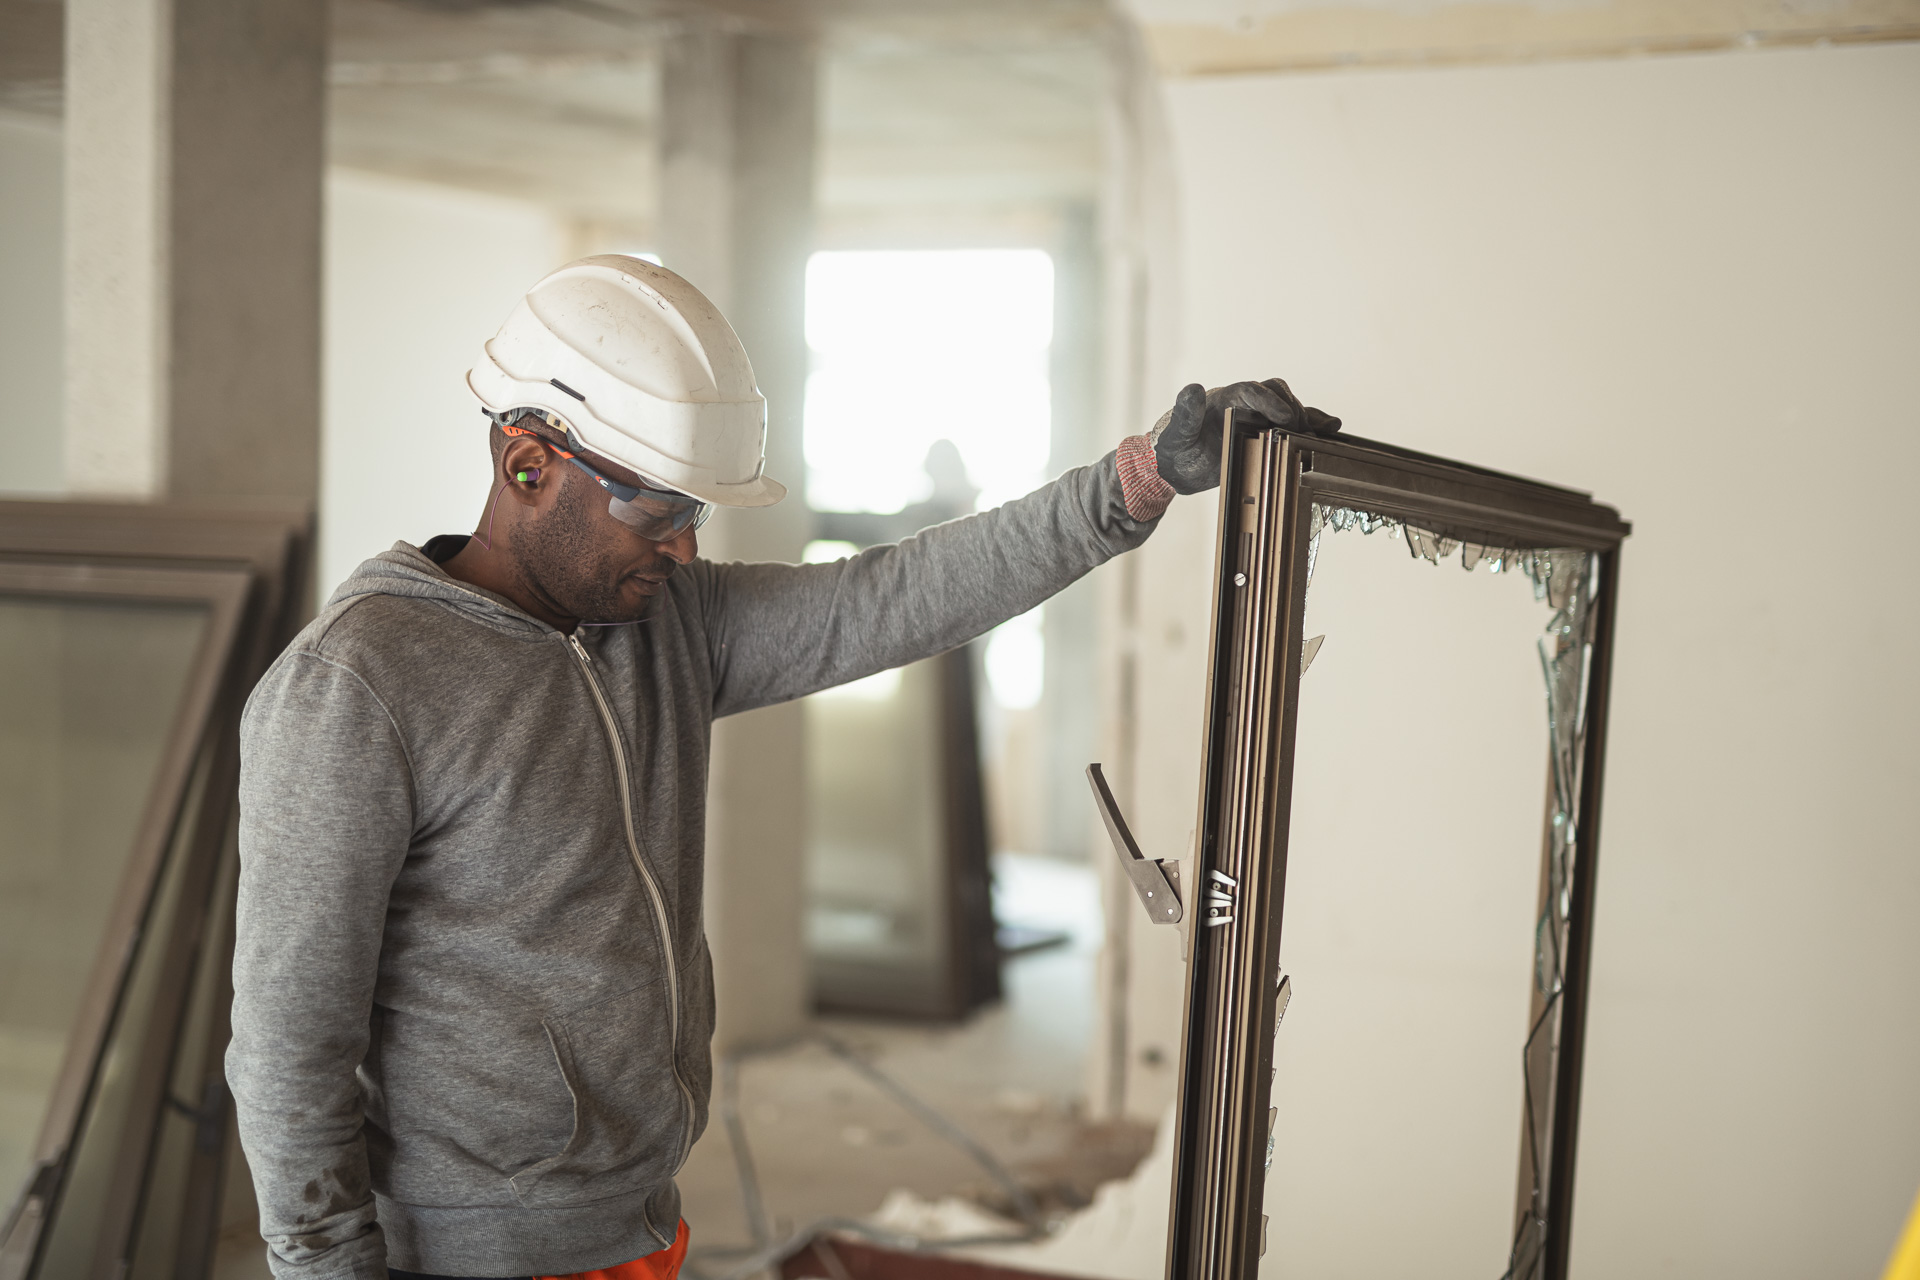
(417, 277)
(1691, 284)
(30, 308)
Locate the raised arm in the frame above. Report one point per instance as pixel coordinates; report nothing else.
(315, 875)
(780, 631)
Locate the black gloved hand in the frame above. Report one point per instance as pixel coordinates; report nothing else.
(1186, 440)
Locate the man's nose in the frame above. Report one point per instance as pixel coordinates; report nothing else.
(682, 547)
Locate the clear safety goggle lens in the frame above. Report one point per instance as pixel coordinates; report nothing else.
(658, 516)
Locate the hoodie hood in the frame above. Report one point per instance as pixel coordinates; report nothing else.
(406, 570)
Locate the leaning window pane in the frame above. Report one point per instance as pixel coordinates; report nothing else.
(90, 691)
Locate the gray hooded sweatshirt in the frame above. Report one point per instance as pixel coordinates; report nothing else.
(472, 995)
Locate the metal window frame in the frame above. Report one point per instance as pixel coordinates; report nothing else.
(274, 541)
(1270, 482)
(268, 548)
(224, 594)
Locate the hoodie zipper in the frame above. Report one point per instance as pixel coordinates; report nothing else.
(653, 892)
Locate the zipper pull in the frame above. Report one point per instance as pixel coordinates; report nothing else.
(579, 649)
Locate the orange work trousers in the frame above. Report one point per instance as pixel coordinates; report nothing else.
(664, 1265)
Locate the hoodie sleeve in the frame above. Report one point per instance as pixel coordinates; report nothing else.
(315, 875)
(781, 631)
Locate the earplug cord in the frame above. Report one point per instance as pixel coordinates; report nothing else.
(493, 507)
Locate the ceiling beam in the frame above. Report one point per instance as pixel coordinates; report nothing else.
(1220, 37)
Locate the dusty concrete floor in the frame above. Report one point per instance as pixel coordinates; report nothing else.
(827, 1142)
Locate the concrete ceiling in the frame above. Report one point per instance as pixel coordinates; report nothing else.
(976, 120)
(942, 120)
(938, 119)
(549, 102)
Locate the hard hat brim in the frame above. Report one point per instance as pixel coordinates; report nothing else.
(500, 394)
(762, 491)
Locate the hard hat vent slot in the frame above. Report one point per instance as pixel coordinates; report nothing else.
(569, 390)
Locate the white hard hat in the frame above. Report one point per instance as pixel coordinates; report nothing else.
(644, 370)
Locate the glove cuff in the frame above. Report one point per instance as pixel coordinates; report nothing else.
(1145, 493)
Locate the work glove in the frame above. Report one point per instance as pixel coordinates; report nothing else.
(1186, 440)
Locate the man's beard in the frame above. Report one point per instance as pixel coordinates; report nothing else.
(565, 556)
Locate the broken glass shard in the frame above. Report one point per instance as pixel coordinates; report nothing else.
(1431, 547)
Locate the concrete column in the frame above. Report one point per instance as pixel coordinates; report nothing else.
(193, 177)
(116, 175)
(697, 160)
(737, 138)
(1149, 720)
(775, 109)
(1070, 709)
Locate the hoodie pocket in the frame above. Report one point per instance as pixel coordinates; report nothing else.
(616, 1059)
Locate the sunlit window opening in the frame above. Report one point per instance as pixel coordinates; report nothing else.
(914, 346)
(1016, 662)
(910, 347)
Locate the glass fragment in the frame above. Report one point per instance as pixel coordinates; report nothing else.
(1309, 650)
(1431, 547)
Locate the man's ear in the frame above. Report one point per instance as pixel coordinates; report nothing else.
(527, 465)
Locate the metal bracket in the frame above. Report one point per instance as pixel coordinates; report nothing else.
(1156, 881)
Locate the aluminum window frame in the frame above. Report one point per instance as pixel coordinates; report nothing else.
(270, 545)
(1271, 480)
(224, 594)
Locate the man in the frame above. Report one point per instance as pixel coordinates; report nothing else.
(472, 998)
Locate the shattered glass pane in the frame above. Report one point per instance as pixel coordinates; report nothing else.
(1564, 580)
(1423, 544)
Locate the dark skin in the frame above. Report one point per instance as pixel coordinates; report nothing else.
(557, 553)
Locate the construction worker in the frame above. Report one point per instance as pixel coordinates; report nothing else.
(472, 996)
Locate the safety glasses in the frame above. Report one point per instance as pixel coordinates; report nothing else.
(658, 515)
